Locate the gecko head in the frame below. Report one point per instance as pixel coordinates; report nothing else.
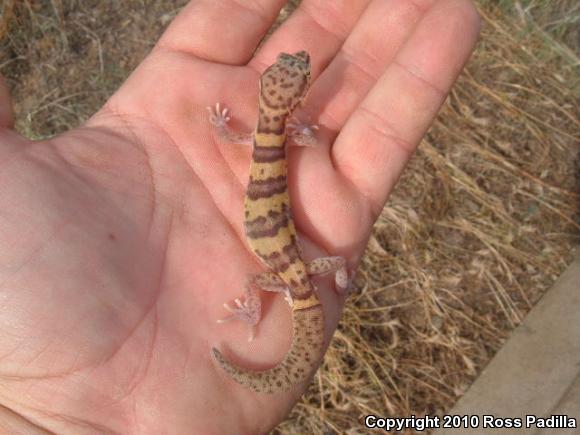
(285, 83)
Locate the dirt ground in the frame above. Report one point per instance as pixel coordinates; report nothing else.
(481, 224)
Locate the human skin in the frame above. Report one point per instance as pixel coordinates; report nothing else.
(120, 240)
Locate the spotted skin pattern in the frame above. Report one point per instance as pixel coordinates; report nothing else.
(271, 233)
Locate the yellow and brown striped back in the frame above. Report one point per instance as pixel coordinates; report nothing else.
(268, 221)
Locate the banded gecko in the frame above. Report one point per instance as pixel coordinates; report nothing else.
(270, 229)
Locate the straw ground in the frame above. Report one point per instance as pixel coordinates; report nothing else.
(481, 224)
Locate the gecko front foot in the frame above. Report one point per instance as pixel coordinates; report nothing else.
(220, 117)
(301, 133)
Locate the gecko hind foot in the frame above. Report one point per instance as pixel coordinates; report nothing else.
(336, 264)
(242, 311)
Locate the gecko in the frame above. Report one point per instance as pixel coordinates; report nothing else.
(270, 230)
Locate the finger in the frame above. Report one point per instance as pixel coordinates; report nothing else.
(375, 40)
(379, 138)
(225, 31)
(317, 26)
(6, 113)
(379, 34)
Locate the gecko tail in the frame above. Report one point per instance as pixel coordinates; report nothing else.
(304, 355)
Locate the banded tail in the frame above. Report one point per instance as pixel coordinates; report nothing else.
(304, 354)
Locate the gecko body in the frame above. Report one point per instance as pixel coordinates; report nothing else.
(271, 233)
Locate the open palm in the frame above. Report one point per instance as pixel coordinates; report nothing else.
(120, 240)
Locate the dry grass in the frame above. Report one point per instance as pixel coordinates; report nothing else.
(481, 224)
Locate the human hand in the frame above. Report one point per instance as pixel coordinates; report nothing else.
(120, 240)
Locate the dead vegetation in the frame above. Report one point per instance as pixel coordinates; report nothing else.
(481, 224)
